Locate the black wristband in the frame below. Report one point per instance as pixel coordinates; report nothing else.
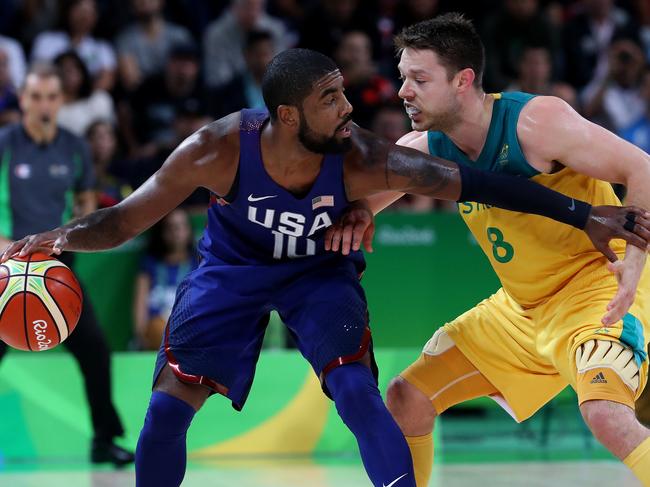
(520, 194)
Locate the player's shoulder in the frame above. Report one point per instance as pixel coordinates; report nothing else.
(415, 140)
(214, 147)
(545, 109)
(223, 132)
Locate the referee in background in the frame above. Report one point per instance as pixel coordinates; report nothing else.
(46, 178)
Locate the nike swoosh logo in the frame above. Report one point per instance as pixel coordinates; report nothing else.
(573, 205)
(395, 481)
(252, 198)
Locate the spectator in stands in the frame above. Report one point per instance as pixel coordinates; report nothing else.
(148, 116)
(16, 60)
(408, 12)
(170, 257)
(638, 132)
(28, 18)
(195, 15)
(224, 40)
(615, 100)
(111, 185)
(82, 105)
(391, 122)
(588, 37)
(245, 91)
(143, 47)
(191, 115)
(520, 23)
(290, 11)
(328, 20)
(365, 89)
(78, 20)
(535, 70)
(9, 108)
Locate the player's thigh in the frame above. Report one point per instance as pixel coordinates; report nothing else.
(642, 407)
(214, 335)
(601, 362)
(327, 313)
(445, 376)
(493, 354)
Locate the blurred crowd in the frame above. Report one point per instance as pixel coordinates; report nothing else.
(141, 75)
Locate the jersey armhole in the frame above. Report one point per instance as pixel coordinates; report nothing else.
(231, 195)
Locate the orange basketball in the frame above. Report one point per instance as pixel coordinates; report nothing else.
(40, 302)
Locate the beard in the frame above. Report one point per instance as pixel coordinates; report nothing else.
(444, 120)
(321, 144)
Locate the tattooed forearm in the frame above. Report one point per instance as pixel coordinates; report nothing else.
(414, 172)
(390, 167)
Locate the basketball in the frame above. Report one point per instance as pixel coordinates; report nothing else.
(40, 302)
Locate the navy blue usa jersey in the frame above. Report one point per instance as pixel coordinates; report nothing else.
(266, 224)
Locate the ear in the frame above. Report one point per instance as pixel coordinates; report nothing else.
(465, 79)
(289, 116)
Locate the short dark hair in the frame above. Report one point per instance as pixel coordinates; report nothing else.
(86, 88)
(452, 37)
(290, 77)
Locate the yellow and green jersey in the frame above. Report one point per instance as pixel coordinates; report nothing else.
(533, 256)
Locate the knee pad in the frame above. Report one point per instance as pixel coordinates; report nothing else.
(595, 360)
(611, 355)
(439, 343)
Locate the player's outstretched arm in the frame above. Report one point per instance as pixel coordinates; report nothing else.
(550, 130)
(202, 157)
(376, 165)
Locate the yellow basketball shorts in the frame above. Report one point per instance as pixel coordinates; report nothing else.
(524, 357)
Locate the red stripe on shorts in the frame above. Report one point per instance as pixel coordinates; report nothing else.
(190, 378)
(348, 359)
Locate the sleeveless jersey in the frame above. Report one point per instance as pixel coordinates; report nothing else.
(533, 256)
(266, 224)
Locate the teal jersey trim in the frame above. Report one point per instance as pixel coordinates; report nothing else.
(632, 336)
(6, 216)
(502, 151)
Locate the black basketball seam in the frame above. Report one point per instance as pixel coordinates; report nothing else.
(45, 276)
(8, 273)
(25, 305)
(61, 282)
(48, 312)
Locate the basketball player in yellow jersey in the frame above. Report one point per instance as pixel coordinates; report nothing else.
(544, 329)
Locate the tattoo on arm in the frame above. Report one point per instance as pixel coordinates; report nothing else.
(407, 170)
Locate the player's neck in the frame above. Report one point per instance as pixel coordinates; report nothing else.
(282, 154)
(469, 133)
(40, 133)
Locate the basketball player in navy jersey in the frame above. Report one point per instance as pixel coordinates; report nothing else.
(287, 175)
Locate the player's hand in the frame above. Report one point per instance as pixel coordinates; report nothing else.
(356, 227)
(629, 223)
(52, 242)
(628, 272)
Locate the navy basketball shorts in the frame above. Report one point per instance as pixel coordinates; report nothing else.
(216, 328)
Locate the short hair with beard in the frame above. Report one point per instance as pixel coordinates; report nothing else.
(290, 77)
(452, 37)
